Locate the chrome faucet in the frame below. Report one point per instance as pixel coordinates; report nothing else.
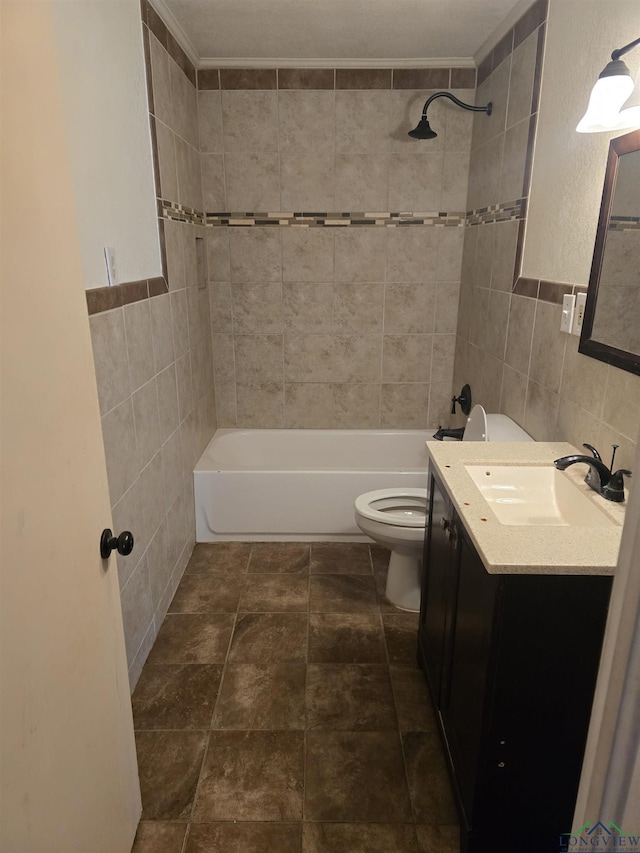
(599, 477)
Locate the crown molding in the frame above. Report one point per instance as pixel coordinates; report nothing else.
(280, 62)
(171, 22)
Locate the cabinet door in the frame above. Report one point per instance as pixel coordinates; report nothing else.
(438, 588)
(463, 694)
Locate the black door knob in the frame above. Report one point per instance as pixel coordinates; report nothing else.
(123, 543)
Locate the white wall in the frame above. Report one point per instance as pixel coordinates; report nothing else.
(106, 111)
(568, 167)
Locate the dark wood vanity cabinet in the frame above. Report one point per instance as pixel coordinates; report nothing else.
(511, 663)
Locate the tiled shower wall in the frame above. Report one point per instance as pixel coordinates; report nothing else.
(509, 345)
(322, 327)
(154, 370)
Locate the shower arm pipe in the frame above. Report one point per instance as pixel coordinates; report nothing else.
(457, 101)
(616, 54)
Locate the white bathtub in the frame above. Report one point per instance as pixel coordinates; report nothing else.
(299, 485)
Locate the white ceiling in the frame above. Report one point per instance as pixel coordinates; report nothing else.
(317, 30)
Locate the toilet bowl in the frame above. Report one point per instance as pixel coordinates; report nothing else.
(397, 517)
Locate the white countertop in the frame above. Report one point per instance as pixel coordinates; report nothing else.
(520, 549)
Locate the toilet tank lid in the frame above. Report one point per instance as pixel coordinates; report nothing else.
(502, 428)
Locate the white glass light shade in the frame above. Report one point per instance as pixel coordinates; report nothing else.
(630, 112)
(607, 96)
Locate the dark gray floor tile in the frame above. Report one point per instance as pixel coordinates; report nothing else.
(261, 696)
(413, 703)
(269, 638)
(345, 638)
(275, 593)
(219, 558)
(244, 838)
(401, 634)
(342, 594)
(168, 766)
(207, 593)
(193, 638)
(354, 697)
(252, 776)
(380, 558)
(359, 838)
(438, 839)
(429, 786)
(176, 696)
(279, 558)
(156, 836)
(349, 558)
(355, 776)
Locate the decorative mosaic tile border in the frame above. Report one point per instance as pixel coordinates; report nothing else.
(624, 223)
(506, 212)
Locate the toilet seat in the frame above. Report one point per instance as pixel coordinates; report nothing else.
(400, 507)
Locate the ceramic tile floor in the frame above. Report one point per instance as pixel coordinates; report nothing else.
(281, 709)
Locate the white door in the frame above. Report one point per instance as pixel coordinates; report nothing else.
(67, 761)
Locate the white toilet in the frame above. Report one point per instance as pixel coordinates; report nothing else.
(397, 518)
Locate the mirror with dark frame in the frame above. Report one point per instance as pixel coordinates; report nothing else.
(611, 327)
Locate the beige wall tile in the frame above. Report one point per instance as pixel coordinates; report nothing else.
(167, 401)
(260, 405)
(356, 406)
(361, 182)
(455, 181)
(308, 357)
(179, 322)
(444, 347)
(547, 349)
(250, 120)
(137, 608)
(521, 317)
(411, 308)
(210, 122)
(175, 255)
(226, 404)
(127, 514)
(458, 123)
(162, 331)
(514, 394)
(152, 489)
(583, 379)
(415, 181)
(217, 246)
(306, 179)
(406, 109)
(183, 383)
(147, 422)
(576, 425)
(110, 358)
(513, 161)
(540, 412)
(172, 467)
(220, 309)
(404, 406)
(406, 358)
(467, 272)
(176, 535)
(626, 452)
(356, 358)
(252, 181)
(189, 175)
(483, 128)
(256, 254)
(188, 446)
(485, 253)
(360, 254)
(439, 404)
(490, 386)
(357, 307)
(119, 437)
(447, 299)
(159, 567)
(450, 246)
(167, 162)
(412, 254)
(307, 254)
(498, 319)
(308, 405)
(223, 359)
(214, 194)
(257, 307)
(308, 307)
(306, 119)
(259, 358)
(622, 402)
(161, 81)
(523, 66)
(362, 121)
(479, 320)
(504, 254)
(185, 105)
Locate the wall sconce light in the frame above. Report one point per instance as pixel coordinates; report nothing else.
(423, 130)
(610, 93)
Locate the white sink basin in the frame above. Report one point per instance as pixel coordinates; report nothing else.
(535, 495)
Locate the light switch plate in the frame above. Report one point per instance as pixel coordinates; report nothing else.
(578, 315)
(568, 304)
